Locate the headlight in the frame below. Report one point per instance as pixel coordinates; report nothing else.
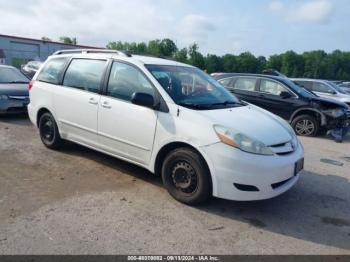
(236, 139)
(4, 97)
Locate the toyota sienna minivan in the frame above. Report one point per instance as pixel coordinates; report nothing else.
(168, 117)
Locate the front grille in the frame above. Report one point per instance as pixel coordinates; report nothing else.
(283, 148)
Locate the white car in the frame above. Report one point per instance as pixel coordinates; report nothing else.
(324, 88)
(168, 117)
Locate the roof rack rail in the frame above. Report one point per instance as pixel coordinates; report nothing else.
(91, 51)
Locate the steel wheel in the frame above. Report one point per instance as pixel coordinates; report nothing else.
(49, 133)
(184, 177)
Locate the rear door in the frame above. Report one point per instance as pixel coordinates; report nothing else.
(77, 100)
(245, 88)
(271, 100)
(126, 129)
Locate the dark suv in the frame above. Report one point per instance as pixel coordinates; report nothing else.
(306, 112)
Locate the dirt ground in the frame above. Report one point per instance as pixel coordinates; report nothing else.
(78, 201)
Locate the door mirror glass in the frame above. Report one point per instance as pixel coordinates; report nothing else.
(142, 99)
(285, 95)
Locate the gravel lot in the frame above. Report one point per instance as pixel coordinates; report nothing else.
(78, 201)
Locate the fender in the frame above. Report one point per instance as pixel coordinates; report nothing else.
(193, 144)
(323, 117)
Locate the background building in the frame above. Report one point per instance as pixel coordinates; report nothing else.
(17, 51)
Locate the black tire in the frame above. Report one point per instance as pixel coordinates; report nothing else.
(186, 176)
(306, 125)
(49, 133)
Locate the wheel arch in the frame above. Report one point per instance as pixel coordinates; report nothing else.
(310, 111)
(41, 111)
(165, 149)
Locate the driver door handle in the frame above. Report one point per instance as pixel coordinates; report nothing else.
(93, 101)
(105, 104)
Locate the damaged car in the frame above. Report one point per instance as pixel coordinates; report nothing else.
(308, 114)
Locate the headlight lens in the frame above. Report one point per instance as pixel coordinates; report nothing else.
(236, 139)
(4, 97)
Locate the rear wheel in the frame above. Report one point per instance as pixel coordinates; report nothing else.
(306, 125)
(186, 176)
(49, 133)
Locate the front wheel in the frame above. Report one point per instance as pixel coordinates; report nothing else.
(49, 133)
(186, 176)
(305, 125)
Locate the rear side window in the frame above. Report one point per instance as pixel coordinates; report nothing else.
(271, 87)
(226, 82)
(52, 71)
(246, 84)
(306, 84)
(85, 74)
(125, 80)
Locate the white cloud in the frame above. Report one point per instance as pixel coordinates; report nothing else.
(276, 6)
(317, 11)
(195, 28)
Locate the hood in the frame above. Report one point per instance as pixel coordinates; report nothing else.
(14, 89)
(251, 121)
(329, 103)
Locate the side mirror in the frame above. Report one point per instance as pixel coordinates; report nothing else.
(285, 95)
(142, 99)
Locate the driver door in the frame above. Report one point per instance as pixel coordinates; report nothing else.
(125, 129)
(270, 93)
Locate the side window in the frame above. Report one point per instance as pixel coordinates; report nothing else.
(52, 70)
(125, 80)
(226, 82)
(272, 87)
(322, 88)
(306, 84)
(246, 84)
(85, 74)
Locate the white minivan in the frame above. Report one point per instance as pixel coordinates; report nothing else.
(168, 117)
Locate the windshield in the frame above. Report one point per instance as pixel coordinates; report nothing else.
(299, 89)
(190, 87)
(11, 75)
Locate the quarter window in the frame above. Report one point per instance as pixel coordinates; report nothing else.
(52, 71)
(272, 87)
(125, 80)
(85, 74)
(246, 84)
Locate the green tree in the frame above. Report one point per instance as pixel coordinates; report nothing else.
(213, 64)
(229, 63)
(154, 47)
(313, 63)
(292, 64)
(196, 58)
(274, 62)
(167, 48)
(68, 40)
(181, 55)
(44, 38)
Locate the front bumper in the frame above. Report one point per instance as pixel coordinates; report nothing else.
(271, 175)
(13, 106)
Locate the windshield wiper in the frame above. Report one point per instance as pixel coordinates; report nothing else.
(18, 82)
(225, 103)
(193, 105)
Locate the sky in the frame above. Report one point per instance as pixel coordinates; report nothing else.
(262, 27)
